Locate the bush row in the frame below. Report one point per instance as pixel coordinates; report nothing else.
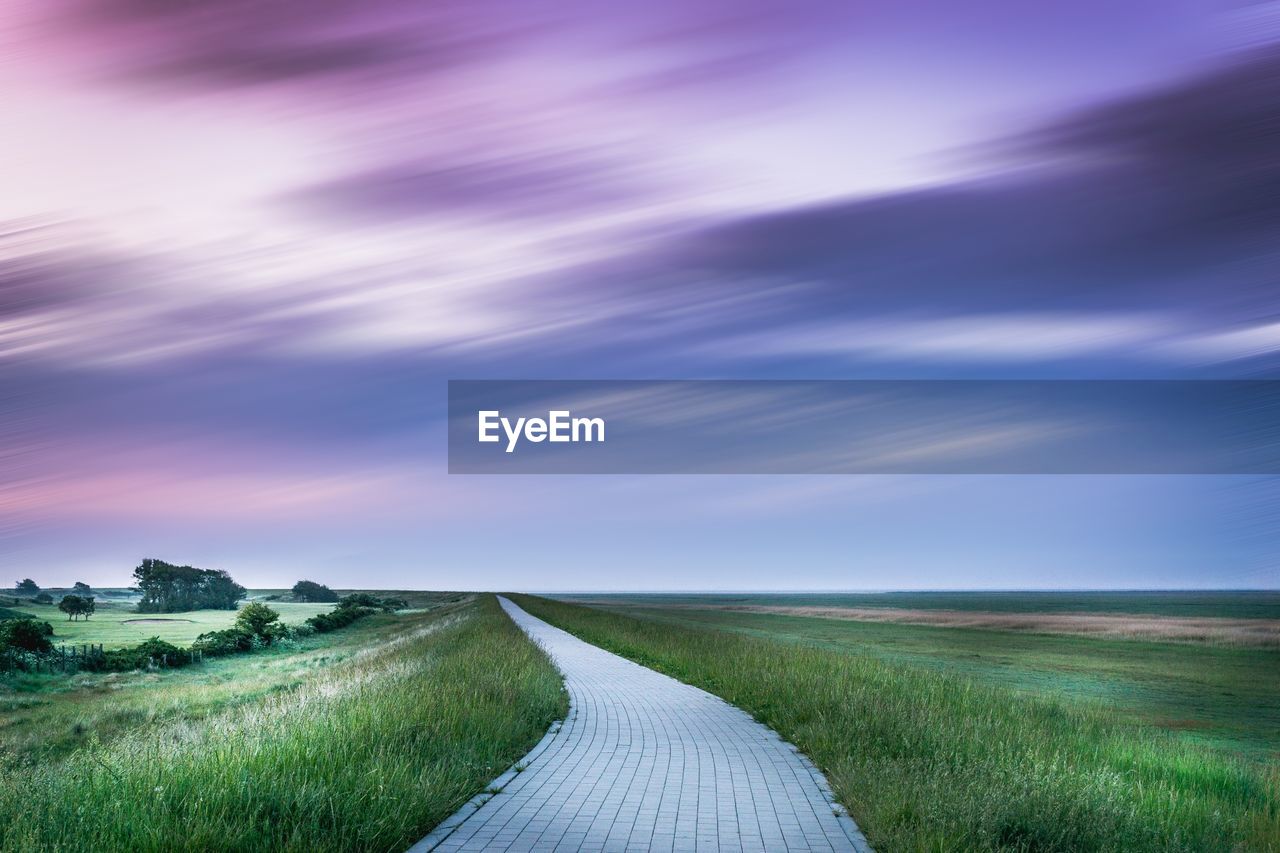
(353, 607)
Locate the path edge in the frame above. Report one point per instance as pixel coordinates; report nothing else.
(467, 810)
(452, 823)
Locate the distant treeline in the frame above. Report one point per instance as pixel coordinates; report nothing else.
(167, 588)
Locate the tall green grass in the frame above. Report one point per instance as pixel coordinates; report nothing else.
(369, 754)
(928, 761)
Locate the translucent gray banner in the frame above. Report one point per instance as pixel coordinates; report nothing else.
(864, 427)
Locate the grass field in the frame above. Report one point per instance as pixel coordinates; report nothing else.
(117, 623)
(1250, 604)
(363, 738)
(1226, 697)
(928, 757)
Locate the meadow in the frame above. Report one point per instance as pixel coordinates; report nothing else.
(1240, 604)
(363, 738)
(116, 622)
(1225, 696)
(929, 754)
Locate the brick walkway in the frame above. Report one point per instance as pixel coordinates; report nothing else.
(645, 762)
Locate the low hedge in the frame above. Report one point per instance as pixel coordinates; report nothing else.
(141, 655)
(340, 617)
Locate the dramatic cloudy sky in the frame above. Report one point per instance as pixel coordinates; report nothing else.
(244, 244)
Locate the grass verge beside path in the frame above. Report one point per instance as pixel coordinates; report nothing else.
(928, 761)
(369, 753)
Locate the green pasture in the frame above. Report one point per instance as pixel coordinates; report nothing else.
(117, 623)
(928, 757)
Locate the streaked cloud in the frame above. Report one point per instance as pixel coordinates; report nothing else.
(1010, 338)
(282, 225)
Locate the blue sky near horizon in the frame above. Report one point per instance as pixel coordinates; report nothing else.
(243, 246)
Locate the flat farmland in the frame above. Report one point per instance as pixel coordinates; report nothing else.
(948, 738)
(1226, 604)
(1215, 687)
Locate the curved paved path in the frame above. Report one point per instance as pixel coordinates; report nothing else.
(645, 762)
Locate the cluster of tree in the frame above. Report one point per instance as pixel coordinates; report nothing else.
(80, 589)
(77, 605)
(27, 588)
(167, 588)
(312, 591)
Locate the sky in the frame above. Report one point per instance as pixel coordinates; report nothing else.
(244, 245)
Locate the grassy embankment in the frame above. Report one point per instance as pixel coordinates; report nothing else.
(926, 760)
(360, 739)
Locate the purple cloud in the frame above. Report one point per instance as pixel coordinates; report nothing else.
(514, 186)
(241, 43)
(1208, 142)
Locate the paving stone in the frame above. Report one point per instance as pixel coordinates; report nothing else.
(645, 762)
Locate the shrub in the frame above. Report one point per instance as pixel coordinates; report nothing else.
(25, 635)
(360, 599)
(365, 599)
(43, 598)
(228, 641)
(340, 617)
(141, 655)
(256, 619)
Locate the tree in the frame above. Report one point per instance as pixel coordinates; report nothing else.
(77, 605)
(43, 598)
(70, 605)
(256, 618)
(81, 588)
(26, 635)
(312, 591)
(27, 586)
